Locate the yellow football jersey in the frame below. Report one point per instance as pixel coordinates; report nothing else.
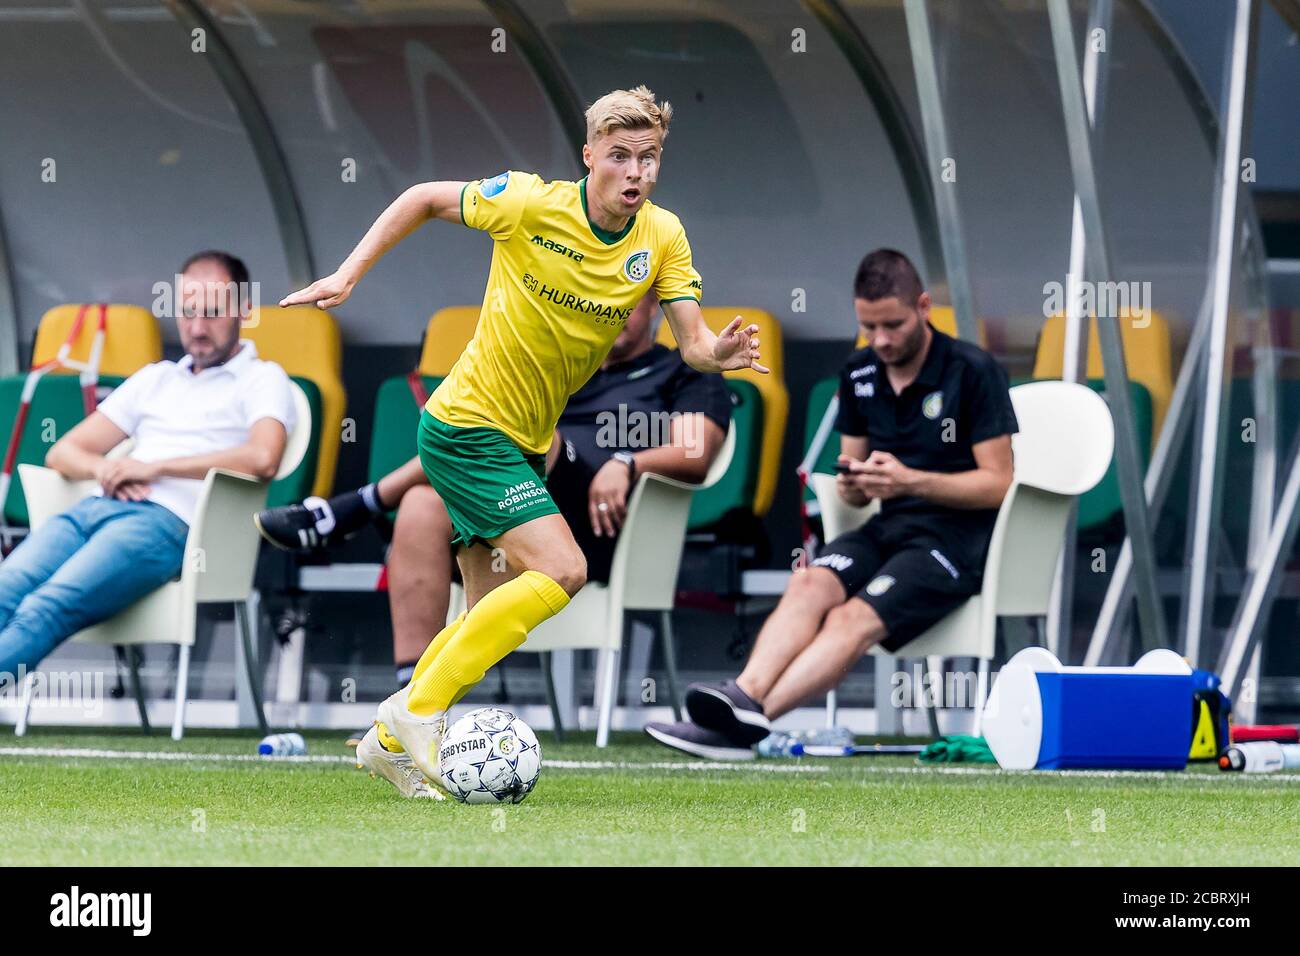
(558, 293)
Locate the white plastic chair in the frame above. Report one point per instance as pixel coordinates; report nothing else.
(220, 559)
(642, 577)
(1062, 449)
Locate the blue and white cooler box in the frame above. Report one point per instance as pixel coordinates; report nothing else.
(1042, 715)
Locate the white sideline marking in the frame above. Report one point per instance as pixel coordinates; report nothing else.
(182, 756)
(686, 765)
(162, 755)
(1170, 775)
(792, 766)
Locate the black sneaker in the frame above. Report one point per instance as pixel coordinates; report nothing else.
(724, 707)
(302, 527)
(698, 742)
(356, 738)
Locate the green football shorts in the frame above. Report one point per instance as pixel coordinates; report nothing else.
(487, 482)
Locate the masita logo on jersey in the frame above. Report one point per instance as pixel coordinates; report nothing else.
(637, 266)
(557, 247)
(490, 187)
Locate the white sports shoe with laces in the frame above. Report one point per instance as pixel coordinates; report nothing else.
(419, 736)
(398, 769)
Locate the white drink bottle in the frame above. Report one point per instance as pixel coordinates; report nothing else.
(1260, 756)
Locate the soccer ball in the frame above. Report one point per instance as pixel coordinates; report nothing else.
(489, 756)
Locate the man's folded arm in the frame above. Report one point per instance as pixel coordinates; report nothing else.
(259, 456)
(79, 453)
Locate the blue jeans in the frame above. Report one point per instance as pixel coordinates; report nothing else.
(82, 567)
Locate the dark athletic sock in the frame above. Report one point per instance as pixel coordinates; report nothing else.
(353, 510)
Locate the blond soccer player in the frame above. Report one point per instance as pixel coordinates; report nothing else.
(570, 261)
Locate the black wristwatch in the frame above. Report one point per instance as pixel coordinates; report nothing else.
(627, 458)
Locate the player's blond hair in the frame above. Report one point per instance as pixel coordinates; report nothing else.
(628, 109)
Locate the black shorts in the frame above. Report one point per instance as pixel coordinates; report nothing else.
(569, 482)
(907, 577)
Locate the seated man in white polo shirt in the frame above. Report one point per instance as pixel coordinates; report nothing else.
(218, 407)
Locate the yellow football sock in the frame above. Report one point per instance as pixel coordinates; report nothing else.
(435, 647)
(387, 740)
(494, 627)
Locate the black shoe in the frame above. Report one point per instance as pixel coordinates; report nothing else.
(312, 525)
(292, 527)
(724, 707)
(698, 742)
(354, 739)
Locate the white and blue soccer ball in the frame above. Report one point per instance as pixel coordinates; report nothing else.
(489, 756)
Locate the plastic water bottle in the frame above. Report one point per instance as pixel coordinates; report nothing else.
(779, 744)
(282, 745)
(828, 742)
(1261, 756)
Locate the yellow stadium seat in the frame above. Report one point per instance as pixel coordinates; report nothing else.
(776, 400)
(943, 318)
(131, 337)
(445, 337)
(305, 342)
(1147, 357)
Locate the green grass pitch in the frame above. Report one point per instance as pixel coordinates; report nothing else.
(632, 803)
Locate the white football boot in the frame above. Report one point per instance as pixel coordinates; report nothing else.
(419, 736)
(398, 769)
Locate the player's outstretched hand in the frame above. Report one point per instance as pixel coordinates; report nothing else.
(323, 293)
(738, 348)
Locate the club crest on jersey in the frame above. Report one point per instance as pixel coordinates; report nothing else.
(490, 187)
(637, 266)
(932, 405)
(880, 584)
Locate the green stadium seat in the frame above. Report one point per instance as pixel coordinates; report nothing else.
(56, 410)
(736, 489)
(397, 417)
(818, 399)
(1102, 503)
(297, 485)
(1238, 457)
